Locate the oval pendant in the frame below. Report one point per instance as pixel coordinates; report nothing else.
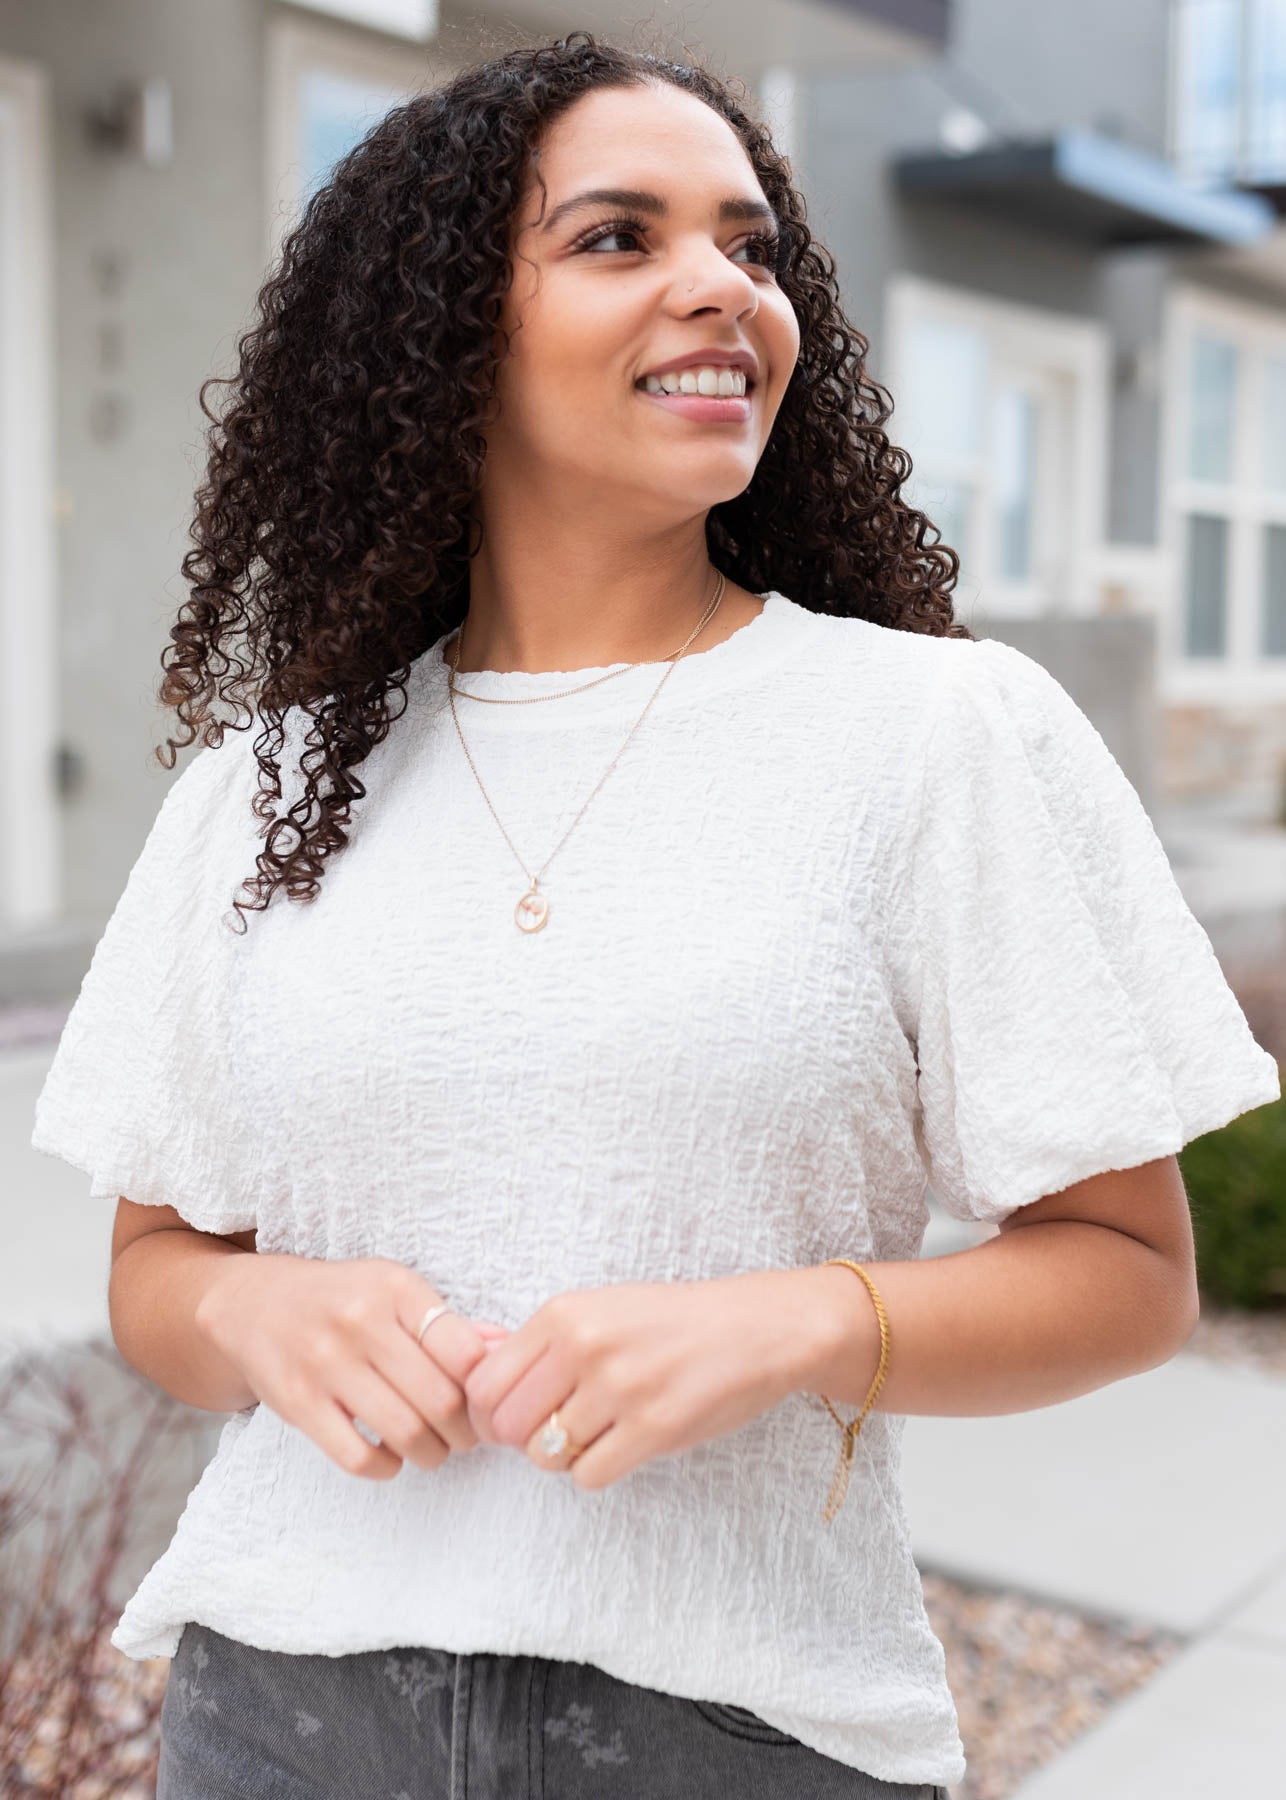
(532, 910)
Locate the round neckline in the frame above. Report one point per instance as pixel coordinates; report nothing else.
(754, 646)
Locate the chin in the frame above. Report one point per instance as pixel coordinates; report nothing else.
(705, 473)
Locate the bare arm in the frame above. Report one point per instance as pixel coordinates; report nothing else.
(161, 1271)
(1077, 1290)
(223, 1326)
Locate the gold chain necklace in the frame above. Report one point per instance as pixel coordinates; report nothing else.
(533, 699)
(532, 909)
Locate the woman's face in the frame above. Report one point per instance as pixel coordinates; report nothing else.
(606, 292)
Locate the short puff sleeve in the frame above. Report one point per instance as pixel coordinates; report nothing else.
(1069, 1013)
(140, 1094)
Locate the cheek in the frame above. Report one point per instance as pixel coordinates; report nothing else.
(573, 417)
(564, 373)
(539, 399)
(781, 336)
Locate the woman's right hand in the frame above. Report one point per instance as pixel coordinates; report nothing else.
(322, 1343)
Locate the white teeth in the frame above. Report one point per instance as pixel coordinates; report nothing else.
(706, 380)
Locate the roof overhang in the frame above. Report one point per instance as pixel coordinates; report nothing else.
(1089, 188)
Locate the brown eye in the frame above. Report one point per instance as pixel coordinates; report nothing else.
(612, 228)
(767, 248)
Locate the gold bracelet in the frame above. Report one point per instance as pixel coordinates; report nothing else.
(839, 1483)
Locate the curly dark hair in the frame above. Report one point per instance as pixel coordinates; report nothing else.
(332, 525)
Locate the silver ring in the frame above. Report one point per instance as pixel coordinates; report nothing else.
(434, 1312)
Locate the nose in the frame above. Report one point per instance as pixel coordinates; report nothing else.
(705, 277)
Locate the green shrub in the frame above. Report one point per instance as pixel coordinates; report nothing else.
(1236, 1182)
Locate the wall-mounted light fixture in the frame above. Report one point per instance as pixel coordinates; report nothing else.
(138, 122)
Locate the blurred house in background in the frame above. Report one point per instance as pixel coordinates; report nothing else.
(1066, 239)
(1061, 237)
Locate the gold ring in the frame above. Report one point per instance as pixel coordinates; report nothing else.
(554, 1439)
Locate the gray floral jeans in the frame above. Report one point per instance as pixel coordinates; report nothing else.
(239, 1723)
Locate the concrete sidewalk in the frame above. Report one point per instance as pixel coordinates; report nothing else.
(53, 1279)
(1226, 866)
(1158, 1499)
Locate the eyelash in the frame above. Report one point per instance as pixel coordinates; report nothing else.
(771, 243)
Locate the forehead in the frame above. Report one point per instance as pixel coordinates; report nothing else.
(654, 136)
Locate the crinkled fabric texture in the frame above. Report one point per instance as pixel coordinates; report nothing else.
(140, 1095)
(1069, 1011)
(855, 908)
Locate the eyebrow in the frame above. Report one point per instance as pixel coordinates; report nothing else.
(734, 206)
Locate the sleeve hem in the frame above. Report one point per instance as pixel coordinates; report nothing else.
(142, 1187)
(1165, 1141)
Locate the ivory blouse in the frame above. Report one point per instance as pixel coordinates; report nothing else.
(857, 911)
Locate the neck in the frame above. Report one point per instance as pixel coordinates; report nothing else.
(548, 599)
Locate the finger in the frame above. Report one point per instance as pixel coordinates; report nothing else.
(585, 1423)
(495, 1373)
(548, 1383)
(403, 1429)
(612, 1454)
(332, 1429)
(433, 1393)
(452, 1341)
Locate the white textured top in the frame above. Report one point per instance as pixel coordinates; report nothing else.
(855, 907)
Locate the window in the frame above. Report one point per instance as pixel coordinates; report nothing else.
(1000, 408)
(1266, 135)
(1225, 444)
(1213, 387)
(1273, 615)
(1228, 89)
(335, 111)
(1205, 590)
(944, 389)
(327, 85)
(1016, 472)
(1275, 423)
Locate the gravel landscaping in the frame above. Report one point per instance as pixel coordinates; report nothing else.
(1028, 1677)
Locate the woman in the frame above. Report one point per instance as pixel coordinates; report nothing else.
(706, 887)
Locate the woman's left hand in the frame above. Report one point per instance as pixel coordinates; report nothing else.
(642, 1369)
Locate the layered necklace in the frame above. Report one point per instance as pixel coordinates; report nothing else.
(532, 911)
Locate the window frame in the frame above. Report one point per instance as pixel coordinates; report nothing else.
(1244, 672)
(1056, 348)
(1244, 165)
(31, 506)
(296, 46)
